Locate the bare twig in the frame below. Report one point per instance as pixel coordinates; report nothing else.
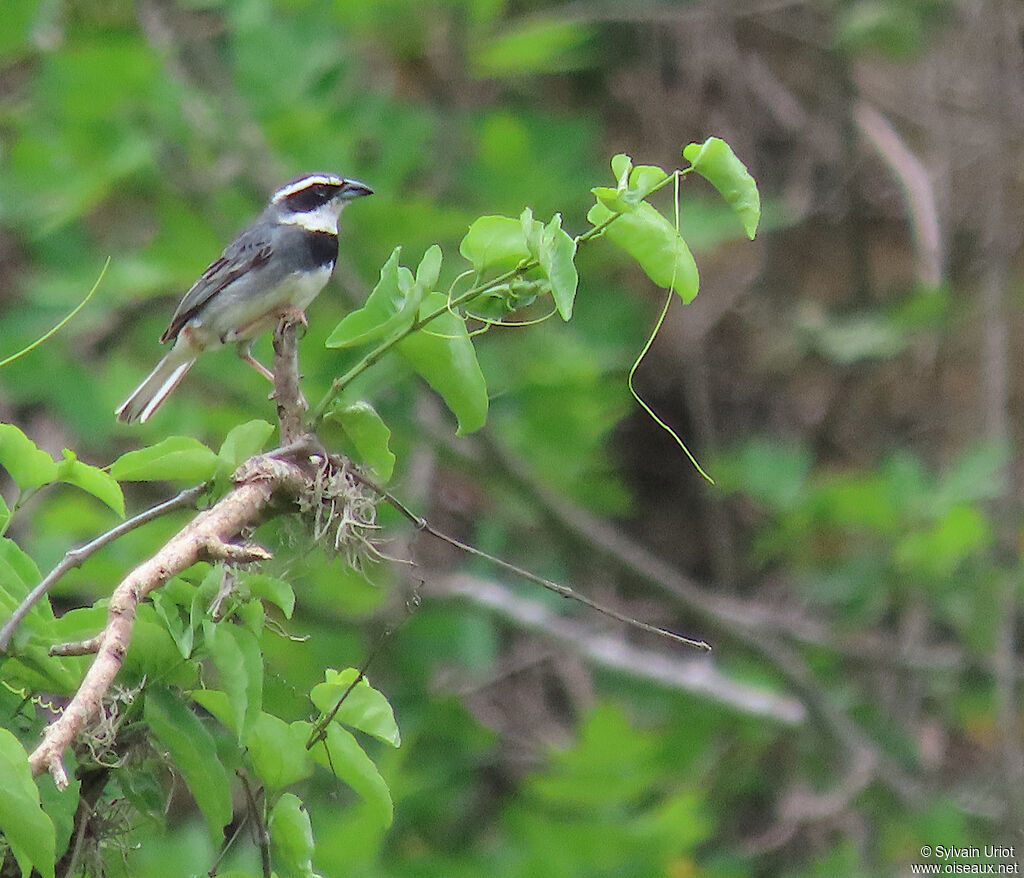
(801, 806)
(260, 831)
(558, 588)
(89, 646)
(76, 557)
(697, 675)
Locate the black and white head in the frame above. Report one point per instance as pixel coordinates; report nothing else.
(314, 201)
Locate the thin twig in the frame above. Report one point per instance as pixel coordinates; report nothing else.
(558, 588)
(228, 845)
(76, 557)
(260, 824)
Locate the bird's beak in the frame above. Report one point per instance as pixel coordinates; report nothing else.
(354, 189)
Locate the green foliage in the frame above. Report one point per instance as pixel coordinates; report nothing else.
(177, 458)
(118, 142)
(292, 838)
(219, 663)
(191, 748)
(868, 542)
(27, 829)
(715, 161)
(366, 438)
(895, 28)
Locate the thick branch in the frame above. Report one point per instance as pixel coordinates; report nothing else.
(217, 526)
(291, 404)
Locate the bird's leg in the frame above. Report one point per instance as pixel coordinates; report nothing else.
(245, 353)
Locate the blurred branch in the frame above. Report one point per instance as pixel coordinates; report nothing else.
(699, 676)
(801, 806)
(917, 188)
(744, 619)
(77, 557)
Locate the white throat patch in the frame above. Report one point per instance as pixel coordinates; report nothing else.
(323, 219)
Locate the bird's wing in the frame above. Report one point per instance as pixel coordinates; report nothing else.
(248, 251)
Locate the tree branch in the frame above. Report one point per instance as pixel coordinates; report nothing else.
(77, 557)
(212, 535)
(697, 675)
(291, 404)
(261, 478)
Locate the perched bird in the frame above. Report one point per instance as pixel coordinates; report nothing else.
(273, 269)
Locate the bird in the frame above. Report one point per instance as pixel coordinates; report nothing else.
(272, 270)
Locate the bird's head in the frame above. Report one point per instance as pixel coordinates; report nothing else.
(314, 201)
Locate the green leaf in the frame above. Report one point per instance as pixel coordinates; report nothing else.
(429, 269)
(61, 805)
(531, 231)
(368, 437)
(541, 44)
(18, 576)
(277, 750)
(243, 442)
(291, 838)
(92, 480)
(177, 458)
(633, 184)
(364, 708)
(622, 164)
(182, 633)
(443, 354)
(390, 308)
(28, 464)
(556, 253)
(653, 242)
(270, 588)
(643, 180)
(350, 764)
(194, 753)
(495, 242)
(23, 823)
(715, 161)
(5, 515)
(236, 656)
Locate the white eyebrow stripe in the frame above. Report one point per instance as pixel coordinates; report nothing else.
(305, 183)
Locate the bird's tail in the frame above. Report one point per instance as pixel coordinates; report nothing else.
(148, 396)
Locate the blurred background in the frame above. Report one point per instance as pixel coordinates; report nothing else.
(852, 380)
